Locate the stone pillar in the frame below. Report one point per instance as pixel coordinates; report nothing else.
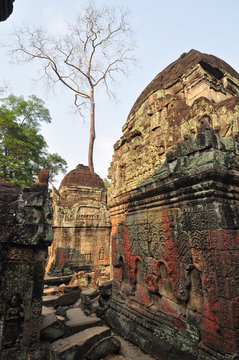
(174, 204)
(25, 234)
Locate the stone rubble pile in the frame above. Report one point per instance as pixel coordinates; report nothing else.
(72, 322)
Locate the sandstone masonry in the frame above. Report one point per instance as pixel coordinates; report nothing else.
(25, 234)
(81, 221)
(175, 217)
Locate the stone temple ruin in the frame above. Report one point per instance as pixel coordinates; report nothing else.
(174, 211)
(81, 222)
(174, 220)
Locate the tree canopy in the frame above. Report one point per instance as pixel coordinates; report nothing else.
(23, 150)
(95, 50)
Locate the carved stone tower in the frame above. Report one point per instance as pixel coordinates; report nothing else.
(81, 221)
(174, 205)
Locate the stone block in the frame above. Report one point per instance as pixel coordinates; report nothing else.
(106, 289)
(50, 300)
(77, 345)
(105, 347)
(61, 310)
(69, 298)
(78, 321)
(88, 295)
(46, 311)
(52, 328)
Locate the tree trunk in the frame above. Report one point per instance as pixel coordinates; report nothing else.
(92, 130)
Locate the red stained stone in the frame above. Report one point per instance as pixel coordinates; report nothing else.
(179, 324)
(118, 273)
(212, 339)
(142, 295)
(167, 308)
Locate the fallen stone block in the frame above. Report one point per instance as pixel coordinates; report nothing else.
(77, 345)
(56, 280)
(106, 289)
(100, 311)
(62, 319)
(50, 300)
(103, 302)
(46, 311)
(51, 328)
(74, 313)
(103, 348)
(69, 298)
(94, 305)
(70, 288)
(78, 321)
(78, 303)
(88, 295)
(61, 310)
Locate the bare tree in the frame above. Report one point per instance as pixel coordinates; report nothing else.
(96, 48)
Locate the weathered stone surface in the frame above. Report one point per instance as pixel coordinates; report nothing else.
(25, 233)
(81, 221)
(174, 210)
(106, 289)
(76, 346)
(46, 310)
(104, 298)
(193, 92)
(103, 348)
(68, 298)
(52, 328)
(88, 295)
(57, 280)
(61, 310)
(78, 321)
(50, 300)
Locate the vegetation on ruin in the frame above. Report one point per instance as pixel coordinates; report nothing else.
(95, 50)
(23, 150)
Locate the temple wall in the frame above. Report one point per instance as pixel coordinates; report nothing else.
(174, 207)
(25, 234)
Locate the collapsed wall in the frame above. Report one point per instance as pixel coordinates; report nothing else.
(174, 210)
(25, 234)
(81, 222)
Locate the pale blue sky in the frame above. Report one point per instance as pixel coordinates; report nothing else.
(164, 30)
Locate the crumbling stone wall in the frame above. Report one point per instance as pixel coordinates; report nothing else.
(81, 222)
(175, 215)
(25, 234)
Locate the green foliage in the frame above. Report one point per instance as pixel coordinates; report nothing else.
(23, 150)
